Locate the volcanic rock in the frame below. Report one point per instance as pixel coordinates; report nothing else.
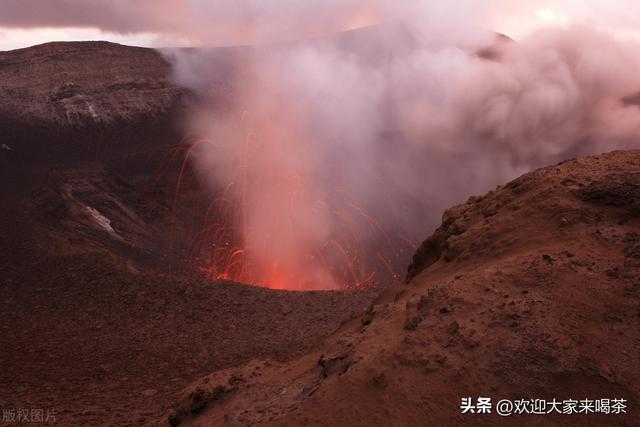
(516, 317)
(105, 317)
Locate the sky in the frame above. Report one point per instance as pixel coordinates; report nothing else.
(160, 23)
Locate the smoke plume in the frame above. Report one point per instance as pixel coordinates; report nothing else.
(330, 156)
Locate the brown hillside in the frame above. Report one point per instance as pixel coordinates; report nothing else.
(530, 291)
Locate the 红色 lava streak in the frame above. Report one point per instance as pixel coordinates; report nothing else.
(269, 227)
(283, 214)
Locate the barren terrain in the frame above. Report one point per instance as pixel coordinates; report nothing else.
(529, 291)
(104, 317)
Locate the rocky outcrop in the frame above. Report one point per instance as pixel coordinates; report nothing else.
(72, 83)
(86, 100)
(530, 291)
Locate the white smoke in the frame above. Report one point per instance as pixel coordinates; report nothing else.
(332, 144)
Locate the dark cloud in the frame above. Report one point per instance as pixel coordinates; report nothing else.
(108, 15)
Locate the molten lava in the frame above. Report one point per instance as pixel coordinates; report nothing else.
(273, 226)
(284, 214)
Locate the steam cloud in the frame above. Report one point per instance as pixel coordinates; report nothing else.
(356, 140)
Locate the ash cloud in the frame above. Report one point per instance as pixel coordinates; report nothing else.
(356, 140)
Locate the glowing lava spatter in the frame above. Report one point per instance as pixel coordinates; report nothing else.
(260, 229)
(284, 214)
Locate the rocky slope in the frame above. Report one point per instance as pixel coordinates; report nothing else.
(75, 83)
(88, 133)
(530, 291)
(102, 346)
(73, 101)
(103, 316)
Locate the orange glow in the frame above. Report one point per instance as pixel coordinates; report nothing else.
(275, 221)
(230, 248)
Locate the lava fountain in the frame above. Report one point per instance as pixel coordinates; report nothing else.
(327, 157)
(276, 222)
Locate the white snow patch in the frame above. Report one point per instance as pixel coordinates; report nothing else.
(101, 220)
